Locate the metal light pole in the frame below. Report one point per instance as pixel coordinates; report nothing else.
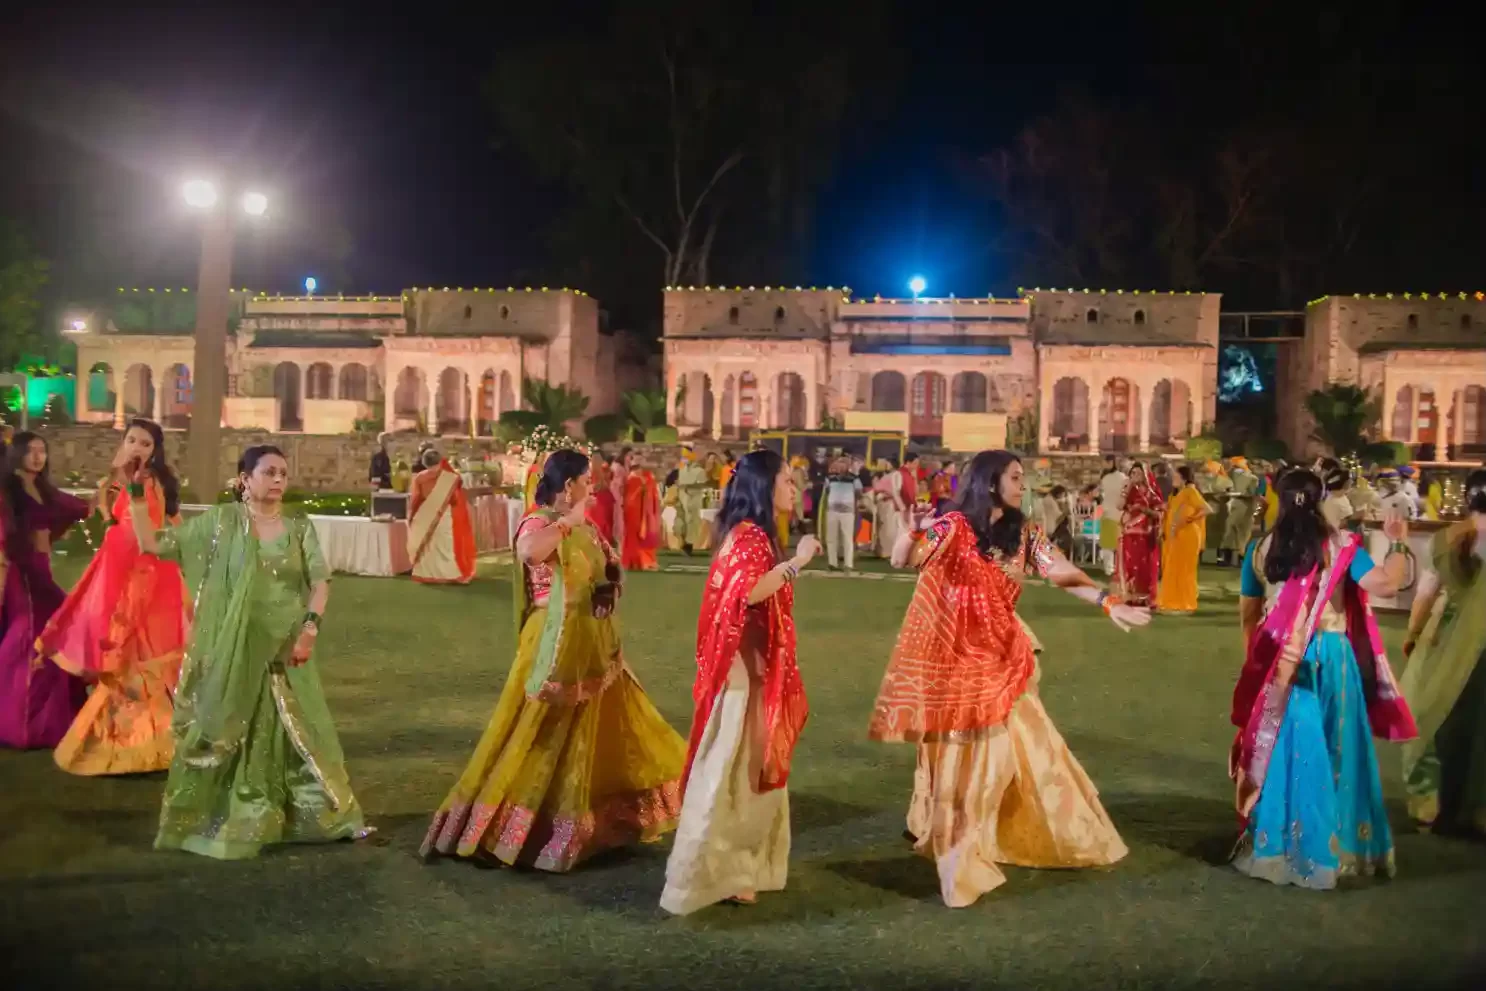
(209, 359)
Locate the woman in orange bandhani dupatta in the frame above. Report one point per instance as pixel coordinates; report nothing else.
(733, 838)
(641, 516)
(602, 506)
(124, 627)
(995, 782)
(1138, 556)
(441, 538)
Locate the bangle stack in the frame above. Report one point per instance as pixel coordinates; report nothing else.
(1107, 601)
(790, 570)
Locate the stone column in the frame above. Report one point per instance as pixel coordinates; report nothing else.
(1457, 425)
(158, 381)
(1095, 395)
(718, 386)
(472, 409)
(431, 417)
(1413, 415)
(812, 399)
(1390, 407)
(1046, 409)
(389, 394)
(673, 398)
(1144, 401)
(118, 380)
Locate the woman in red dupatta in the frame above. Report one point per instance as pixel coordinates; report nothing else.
(995, 782)
(733, 838)
(640, 516)
(1138, 559)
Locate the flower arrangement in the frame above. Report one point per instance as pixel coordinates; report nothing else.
(544, 440)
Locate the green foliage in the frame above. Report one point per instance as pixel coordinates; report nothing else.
(554, 405)
(1386, 454)
(1203, 449)
(606, 428)
(56, 413)
(23, 275)
(515, 424)
(374, 423)
(1266, 449)
(662, 435)
(646, 408)
(1344, 416)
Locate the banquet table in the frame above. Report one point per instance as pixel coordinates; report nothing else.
(355, 545)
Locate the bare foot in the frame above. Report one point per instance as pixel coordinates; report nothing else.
(744, 898)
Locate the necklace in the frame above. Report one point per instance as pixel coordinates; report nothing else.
(264, 517)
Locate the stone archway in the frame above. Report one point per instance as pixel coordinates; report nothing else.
(139, 391)
(968, 393)
(101, 389)
(730, 406)
(1119, 416)
(410, 397)
(175, 401)
(353, 383)
(452, 403)
(789, 401)
(287, 390)
(319, 381)
(507, 392)
(1473, 424)
(927, 403)
(889, 392)
(487, 410)
(1070, 421)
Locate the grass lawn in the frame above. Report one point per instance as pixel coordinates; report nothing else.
(412, 673)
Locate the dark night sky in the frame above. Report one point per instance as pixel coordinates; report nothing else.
(375, 121)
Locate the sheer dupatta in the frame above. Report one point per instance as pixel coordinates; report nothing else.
(1274, 654)
(745, 557)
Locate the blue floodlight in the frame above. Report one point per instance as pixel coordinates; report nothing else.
(917, 285)
(309, 285)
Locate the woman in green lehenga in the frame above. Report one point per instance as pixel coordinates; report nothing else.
(256, 760)
(1445, 681)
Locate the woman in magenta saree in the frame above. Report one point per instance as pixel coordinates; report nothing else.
(37, 701)
(1138, 556)
(1307, 784)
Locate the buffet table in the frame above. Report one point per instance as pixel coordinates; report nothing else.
(355, 545)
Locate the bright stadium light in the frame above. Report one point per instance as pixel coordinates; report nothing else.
(310, 285)
(917, 285)
(201, 194)
(254, 204)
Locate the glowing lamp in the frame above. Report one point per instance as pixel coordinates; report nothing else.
(200, 194)
(917, 285)
(254, 204)
(310, 285)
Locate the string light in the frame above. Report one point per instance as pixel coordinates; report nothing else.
(1427, 297)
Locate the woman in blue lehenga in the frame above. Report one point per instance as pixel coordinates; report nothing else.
(1315, 689)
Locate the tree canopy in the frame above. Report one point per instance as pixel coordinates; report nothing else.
(23, 276)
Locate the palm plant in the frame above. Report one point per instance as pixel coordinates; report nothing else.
(646, 408)
(1344, 414)
(554, 404)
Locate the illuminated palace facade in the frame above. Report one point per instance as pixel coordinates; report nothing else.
(1096, 371)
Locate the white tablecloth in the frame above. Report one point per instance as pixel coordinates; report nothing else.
(355, 545)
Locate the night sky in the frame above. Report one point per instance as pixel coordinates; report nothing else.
(373, 124)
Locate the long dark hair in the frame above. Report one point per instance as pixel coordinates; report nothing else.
(980, 496)
(561, 468)
(750, 498)
(158, 465)
(1475, 502)
(1300, 531)
(15, 495)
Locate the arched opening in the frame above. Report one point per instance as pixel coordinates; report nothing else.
(1428, 414)
(507, 393)
(1140, 318)
(708, 397)
(733, 315)
(1119, 416)
(452, 405)
(175, 403)
(487, 412)
(889, 391)
(410, 398)
(139, 391)
(789, 392)
(1465, 321)
(353, 383)
(1473, 412)
(469, 311)
(101, 388)
(748, 409)
(286, 389)
(778, 315)
(1161, 414)
(1403, 415)
(926, 405)
(319, 381)
(1091, 315)
(969, 394)
(730, 406)
(1071, 414)
(505, 312)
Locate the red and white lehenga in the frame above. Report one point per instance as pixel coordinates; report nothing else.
(1138, 555)
(995, 782)
(441, 537)
(733, 838)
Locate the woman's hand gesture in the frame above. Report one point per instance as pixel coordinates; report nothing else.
(303, 646)
(809, 547)
(1128, 618)
(1395, 526)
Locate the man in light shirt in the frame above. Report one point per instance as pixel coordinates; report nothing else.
(841, 491)
(1112, 499)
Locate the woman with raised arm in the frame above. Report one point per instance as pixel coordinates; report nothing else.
(257, 760)
(38, 702)
(995, 782)
(124, 625)
(1445, 680)
(575, 758)
(1307, 785)
(733, 839)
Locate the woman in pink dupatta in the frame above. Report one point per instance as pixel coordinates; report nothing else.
(1138, 555)
(1308, 789)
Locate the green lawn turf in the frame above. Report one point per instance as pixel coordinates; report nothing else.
(412, 673)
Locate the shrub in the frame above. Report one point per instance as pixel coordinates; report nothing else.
(606, 428)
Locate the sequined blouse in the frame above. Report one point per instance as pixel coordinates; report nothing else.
(1034, 555)
(538, 576)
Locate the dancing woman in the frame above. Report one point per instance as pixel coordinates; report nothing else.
(995, 782)
(1308, 790)
(257, 760)
(575, 759)
(440, 534)
(124, 625)
(38, 702)
(1138, 559)
(1183, 532)
(1445, 680)
(733, 838)
(641, 516)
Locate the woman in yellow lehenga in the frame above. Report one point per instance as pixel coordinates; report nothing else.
(1183, 532)
(575, 759)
